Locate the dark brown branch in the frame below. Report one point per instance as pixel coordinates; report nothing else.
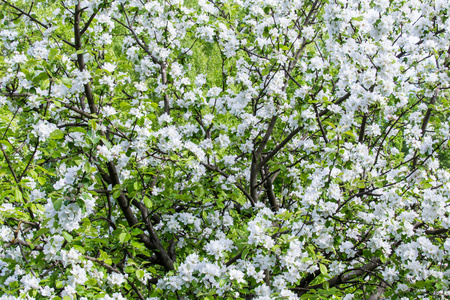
(86, 26)
(266, 137)
(216, 169)
(24, 243)
(363, 129)
(425, 121)
(16, 179)
(164, 81)
(271, 195)
(234, 259)
(29, 162)
(136, 38)
(322, 130)
(151, 243)
(80, 58)
(162, 253)
(103, 264)
(26, 14)
(22, 12)
(346, 276)
(436, 231)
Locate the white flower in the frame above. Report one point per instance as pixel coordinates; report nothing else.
(141, 86)
(46, 291)
(247, 147)
(200, 80)
(346, 247)
(3, 100)
(109, 111)
(79, 276)
(6, 234)
(30, 282)
(70, 257)
(82, 76)
(165, 118)
(224, 140)
(389, 274)
(69, 216)
(196, 150)
(447, 245)
(69, 291)
(308, 32)
(116, 279)
(207, 119)
(229, 160)
(219, 247)
(236, 275)
(109, 67)
(43, 129)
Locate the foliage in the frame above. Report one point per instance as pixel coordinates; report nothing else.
(238, 149)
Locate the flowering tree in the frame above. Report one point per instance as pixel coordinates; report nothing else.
(240, 149)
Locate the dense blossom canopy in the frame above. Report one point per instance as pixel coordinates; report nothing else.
(224, 149)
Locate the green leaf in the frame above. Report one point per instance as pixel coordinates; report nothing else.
(52, 53)
(323, 269)
(44, 170)
(367, 253)
(378, 184)
(136, 231)
(41, 232)
(67, 82)
(311, 251)
(87, 167)
(422, 284)
(308, 297)
(57, 103)
(67, 236)
(124, 105)
(57, 204)
(57, 134)
(93, 124)
(140, 274)
(123, 237)
(116, 194)
(77, 129)
(6, 143)
(18, 195)
(40, 77)
(350, 134)
(220, 204)
(360, 18)
(266, 71)
(79, 248)
(244, 253)
(200, 192)
(45, 84)
(329, 124)
(148, 202)
(41, 180)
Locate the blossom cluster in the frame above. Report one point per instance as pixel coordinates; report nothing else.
(240, 149)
